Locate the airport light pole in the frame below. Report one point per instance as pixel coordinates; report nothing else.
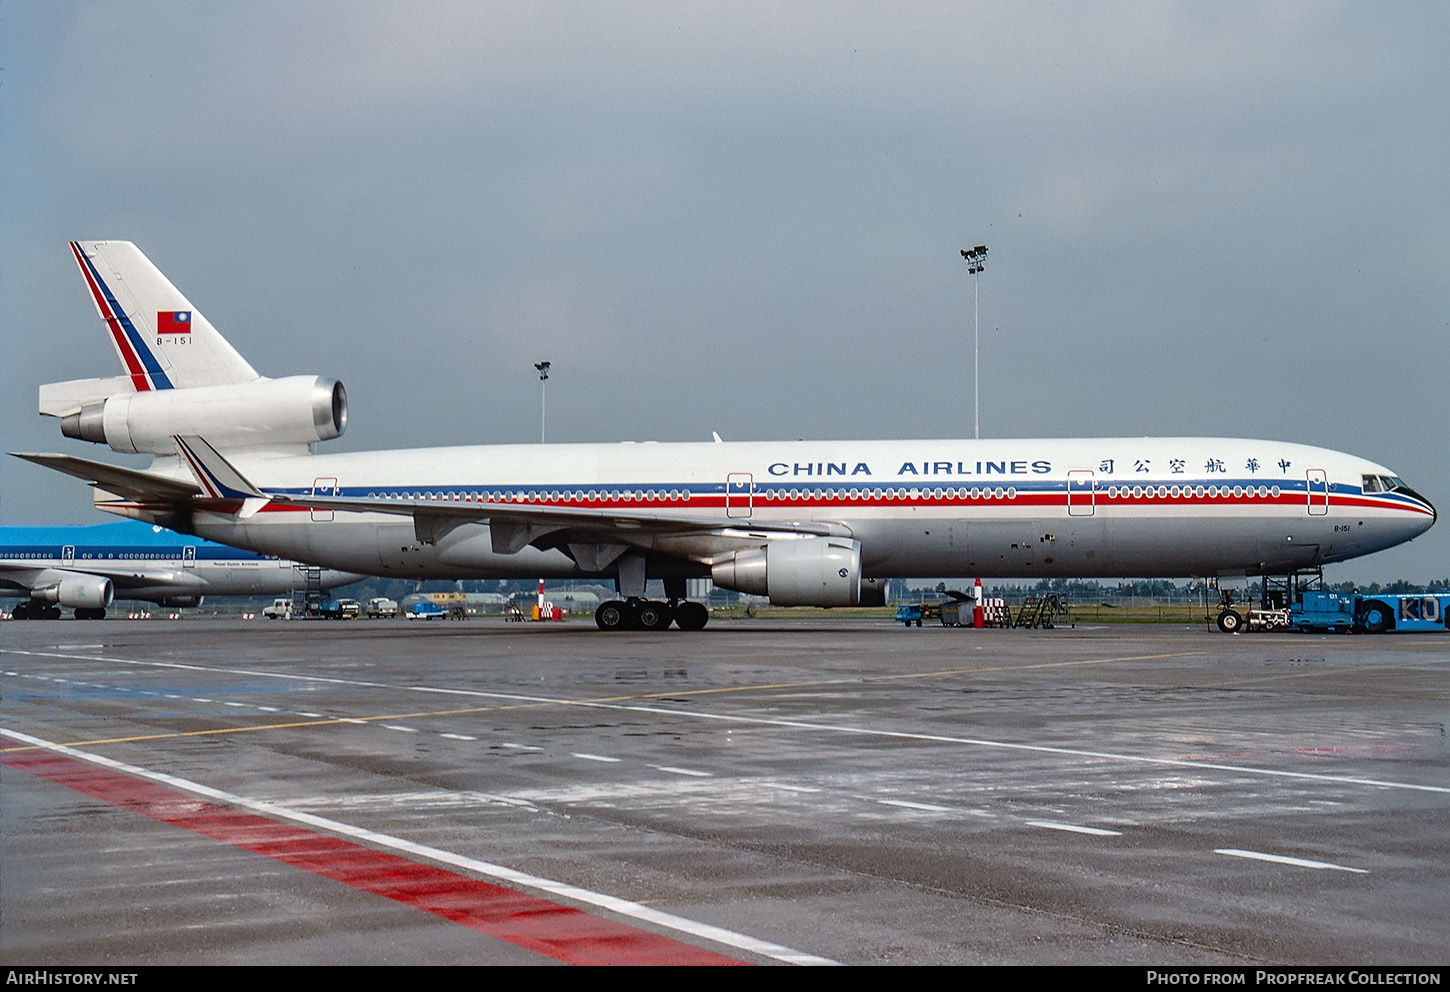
(543, 368)
(976, 262)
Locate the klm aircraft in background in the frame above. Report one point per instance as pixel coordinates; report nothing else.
(87, 568)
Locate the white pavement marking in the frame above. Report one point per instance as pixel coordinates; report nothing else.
(594, 757)
(910, 805)
(1284, 860)
(623, 907)
(760, 721)
(681, 771)
(1074, 828)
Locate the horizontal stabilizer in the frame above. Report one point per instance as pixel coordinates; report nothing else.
(139, 486)
(61, 399)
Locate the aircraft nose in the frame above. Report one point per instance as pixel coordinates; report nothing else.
(1427, 504)
(1421, 522)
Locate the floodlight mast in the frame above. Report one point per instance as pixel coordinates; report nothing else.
(543, 368)
(976, 262)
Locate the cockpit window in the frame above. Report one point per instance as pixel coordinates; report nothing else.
(1382, 483)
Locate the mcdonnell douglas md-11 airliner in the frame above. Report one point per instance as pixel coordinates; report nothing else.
(821, 523)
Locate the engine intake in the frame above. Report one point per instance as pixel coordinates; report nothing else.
(299, 409)
(812, 571)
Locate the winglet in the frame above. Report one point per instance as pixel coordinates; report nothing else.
(218, 478)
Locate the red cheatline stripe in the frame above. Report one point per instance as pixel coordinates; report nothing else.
(128, 353)
(553, 929)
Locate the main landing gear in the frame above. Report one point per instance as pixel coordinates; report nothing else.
(37, 610)
(648, 614)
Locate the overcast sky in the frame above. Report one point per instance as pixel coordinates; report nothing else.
(1202, 218)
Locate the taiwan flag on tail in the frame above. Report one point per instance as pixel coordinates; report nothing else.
(173, 322)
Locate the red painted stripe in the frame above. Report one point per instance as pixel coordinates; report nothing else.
(561, 932)
(1295, 501)
(118, 334)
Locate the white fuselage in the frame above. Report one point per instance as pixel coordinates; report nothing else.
(1085, 507)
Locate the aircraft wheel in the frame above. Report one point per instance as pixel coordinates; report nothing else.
(90, 614)
(1377, 617)
(654, 616)
(21, 612)
(691, 616)
(1230, 622)
(612, 615)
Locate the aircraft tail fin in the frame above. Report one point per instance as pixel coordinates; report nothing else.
(162, 340)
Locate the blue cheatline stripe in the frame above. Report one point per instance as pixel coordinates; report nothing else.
(120, 541)
(1291, 492)
(158, 378)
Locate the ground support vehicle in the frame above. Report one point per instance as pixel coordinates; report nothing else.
(427, 610)
(342, 609)
(381, 606)
(281, 609)
(909, 613)
(1344, 612)
(1338, 611)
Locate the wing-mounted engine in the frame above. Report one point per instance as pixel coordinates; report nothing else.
(262, 413)
(180, 601)
(814, 571)
(88, 592)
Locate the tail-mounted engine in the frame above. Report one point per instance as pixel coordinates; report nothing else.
(296, 410)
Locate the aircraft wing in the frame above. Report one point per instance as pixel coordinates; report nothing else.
(512, 527)
(122, 575)
(140, 486)
(515, 526)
